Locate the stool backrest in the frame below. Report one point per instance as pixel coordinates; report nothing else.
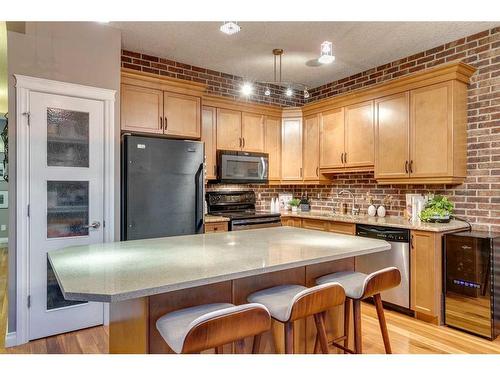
(317, 299)
(381, 280)
(226, 326)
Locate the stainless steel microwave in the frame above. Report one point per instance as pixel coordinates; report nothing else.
(240, 167)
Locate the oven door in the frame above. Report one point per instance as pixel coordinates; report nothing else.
(243, 167)
(244, 224)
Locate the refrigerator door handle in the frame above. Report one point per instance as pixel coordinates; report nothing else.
(198, 228)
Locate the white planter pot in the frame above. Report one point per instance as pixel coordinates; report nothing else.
(372, 211)
(381, 211)
(294, 208)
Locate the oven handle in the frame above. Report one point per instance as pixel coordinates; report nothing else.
(255, 226)
(265, 220)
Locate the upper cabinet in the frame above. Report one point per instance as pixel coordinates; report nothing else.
(181, 115)
(311, 150)
(141, 109)
(209, 138)
(273, 147)
(228, 129)
(427, 128)
(156, 105)
(392, 127)
(359, 133)
(291, 149)
(347, 136)
(252, 132)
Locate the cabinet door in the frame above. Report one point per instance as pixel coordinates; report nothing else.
(332, 139)
(182, 115)
(208, 136)
(252, 132)
(392, 148)
(273, 146)
(359, 135)
(425, 261)
(228, 129)
(431, 150)
(141, 109)
(291, 149)
(311, 148)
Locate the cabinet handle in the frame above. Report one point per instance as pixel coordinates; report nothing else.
(243, 142)
(411, 166)
(345, 157)
(317, 171)
(342, 158)
(300, 172)
(161, 122)
(412, 242)
(406, 166)
(166, 123)
(215, 170)
(240, 143)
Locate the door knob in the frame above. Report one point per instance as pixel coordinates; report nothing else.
(94, 225)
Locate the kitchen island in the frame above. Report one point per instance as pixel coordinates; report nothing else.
(145, 279)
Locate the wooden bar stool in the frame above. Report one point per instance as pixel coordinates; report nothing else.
(359, 286)
(198, 328)
(288, 303)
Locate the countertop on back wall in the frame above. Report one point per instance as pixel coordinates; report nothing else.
(388, 221)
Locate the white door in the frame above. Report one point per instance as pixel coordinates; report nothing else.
(66, 199)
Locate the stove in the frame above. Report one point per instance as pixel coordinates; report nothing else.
(239, 207)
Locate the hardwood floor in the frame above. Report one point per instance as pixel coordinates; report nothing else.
(3, 295)
(408, 336)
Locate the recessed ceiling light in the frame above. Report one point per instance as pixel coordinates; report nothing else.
(289, 92)
(230, 27)
(326, 56)
(247, 89)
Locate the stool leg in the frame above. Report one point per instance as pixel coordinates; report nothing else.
(289, 338)
(321, 332)
(256, 344)
(356, 309)
(347, 322)
(239, 347)
(382, 323)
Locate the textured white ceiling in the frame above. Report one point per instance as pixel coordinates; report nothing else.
(358, 46)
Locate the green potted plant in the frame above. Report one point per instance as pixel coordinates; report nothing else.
(437, 210)
(294, 203)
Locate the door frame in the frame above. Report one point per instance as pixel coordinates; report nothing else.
(24, 86)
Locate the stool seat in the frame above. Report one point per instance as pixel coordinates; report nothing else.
(279, 300)
(174, 326)
(353, 282)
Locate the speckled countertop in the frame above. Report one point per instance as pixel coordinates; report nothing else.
(388, 221)
(215, 219)
(119, 271)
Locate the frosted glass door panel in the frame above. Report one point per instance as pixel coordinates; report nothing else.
(67, 208)
(67, 138)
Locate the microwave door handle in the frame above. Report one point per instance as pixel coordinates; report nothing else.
(263, 168)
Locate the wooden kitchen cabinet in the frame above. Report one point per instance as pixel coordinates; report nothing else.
(216, 227)
(273, 147)
(436, 136)
(314, 224)
(359, 136)
(332, 139)
(392, 128)
(209, 138)
(291, 222)
(141, 109)
(341, 227)
(310, 147)
(291, 150)
(252, 132)
(181, 115)
(228, 129)
(426, 275)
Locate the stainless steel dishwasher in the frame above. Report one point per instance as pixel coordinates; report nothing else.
(398, 256)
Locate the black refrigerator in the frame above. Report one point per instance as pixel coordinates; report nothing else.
(162, 187)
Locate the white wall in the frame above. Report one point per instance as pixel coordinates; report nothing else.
(86, 53)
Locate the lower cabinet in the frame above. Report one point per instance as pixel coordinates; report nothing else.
(426, 275)
(291, 222)
(216, 227)
(318, 224)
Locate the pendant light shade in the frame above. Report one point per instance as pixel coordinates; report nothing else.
(326, 56)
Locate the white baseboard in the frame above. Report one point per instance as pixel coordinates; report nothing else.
(10, 339)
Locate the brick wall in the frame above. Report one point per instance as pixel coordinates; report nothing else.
(478, 199)
(218, 83)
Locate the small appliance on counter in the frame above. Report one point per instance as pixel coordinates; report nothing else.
(472, 282)
(239, 207)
